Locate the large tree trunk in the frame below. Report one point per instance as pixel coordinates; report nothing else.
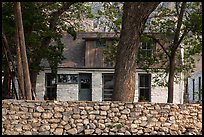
(172, 66)
(135, 15)
(20, 31)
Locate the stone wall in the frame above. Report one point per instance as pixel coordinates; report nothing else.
(99, 118)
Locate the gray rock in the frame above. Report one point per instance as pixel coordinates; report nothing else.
(92, 117)
(105, 108)
(96, 112)
(101, 126)
(67, 126)
(133, 126)
(98, 131)
(92, 126)
(86, 121)
(72, 131)
(88, 131)
(53, 120)
(36, 114)
(127, 133)
(58, 115)
(27, 133)
(44, 128)
(103, 113)
(40, 109)
(126, 111)
(83, 112)
(53, 126)
(58, 131)
(46, 115)
(58, 109)
(114, 109)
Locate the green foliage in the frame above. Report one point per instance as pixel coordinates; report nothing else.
(163, 21)
(110, 53)
(110, 126)
(118, 125)
(111, 15)
(36, 20)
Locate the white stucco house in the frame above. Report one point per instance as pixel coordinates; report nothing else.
(83, 75)
(194, 86)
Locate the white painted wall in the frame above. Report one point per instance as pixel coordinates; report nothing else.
(97, 86)
(190, 87)
(40, 86)
(69, 92)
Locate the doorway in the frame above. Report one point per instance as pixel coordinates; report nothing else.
(85, 87)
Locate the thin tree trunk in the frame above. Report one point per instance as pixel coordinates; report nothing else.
(5, 85)
(27, 83)
(172, 63)
(172, 58)
(135, 15)
(20, 68)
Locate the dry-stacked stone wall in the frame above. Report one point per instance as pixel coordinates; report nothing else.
(99, 118)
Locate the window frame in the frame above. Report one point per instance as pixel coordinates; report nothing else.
(107, 89)
(100, 43)
(147, 88)
(52, 93)
(68, 82)
(143, 52)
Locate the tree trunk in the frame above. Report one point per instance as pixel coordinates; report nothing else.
(20, 31)
(135, 15)
(172, 67)
(20, 69)
(5, 85)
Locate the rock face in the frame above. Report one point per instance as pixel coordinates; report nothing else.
(20, 117)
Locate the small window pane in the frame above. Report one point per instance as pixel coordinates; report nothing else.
(144, 86)
(108, 85)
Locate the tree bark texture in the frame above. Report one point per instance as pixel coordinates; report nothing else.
(134, 17)
(20, 31)
(5, 85)
(172, 57)
(171, 78)
(20, 68)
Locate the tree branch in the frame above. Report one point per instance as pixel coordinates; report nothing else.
(181, 38)
(55, 15)
(178, 28)
(157, 41)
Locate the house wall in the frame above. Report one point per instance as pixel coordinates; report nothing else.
(96, 86)
(69, 92)
(196, 88)
(159, 94)
(40, 86)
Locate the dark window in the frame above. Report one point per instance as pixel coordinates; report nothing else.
(193, 89)
(146, 49)
(108, 85)
(51, 87)
(100, 43)
(85, 83)
(68, 78)
(144, 87)
(199, 87)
